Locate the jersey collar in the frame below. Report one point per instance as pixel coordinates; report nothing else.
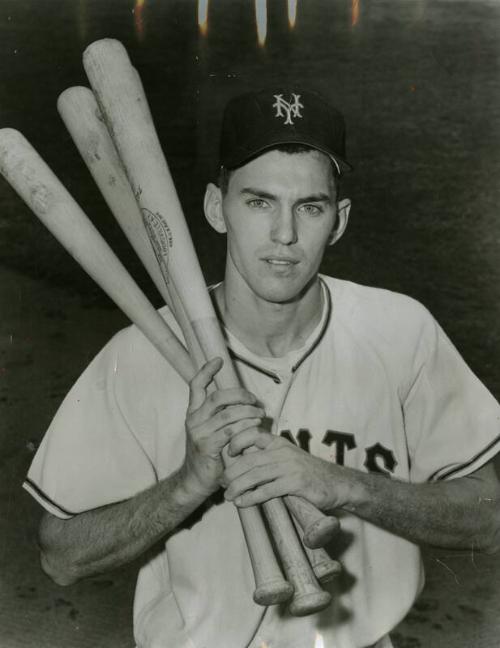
(277, 368)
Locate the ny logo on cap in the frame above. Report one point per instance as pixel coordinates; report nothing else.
(288, 109)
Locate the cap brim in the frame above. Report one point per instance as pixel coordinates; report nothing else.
(246, 156)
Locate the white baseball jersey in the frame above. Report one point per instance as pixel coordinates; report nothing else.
(377, 387)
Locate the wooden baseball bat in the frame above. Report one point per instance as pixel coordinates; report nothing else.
(80, 113)
(124, 106)
(37, 185)
(126, 112)
(79, 110)
(271, 588)
(42, 191)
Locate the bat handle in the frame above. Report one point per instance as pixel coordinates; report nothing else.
(308, 596)
(319, 529)
(270, 586)
(324, 567)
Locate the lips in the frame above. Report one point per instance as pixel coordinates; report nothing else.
(276, 260)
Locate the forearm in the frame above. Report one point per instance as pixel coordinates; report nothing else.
(463, 513)
(459, 514)
(105, 538)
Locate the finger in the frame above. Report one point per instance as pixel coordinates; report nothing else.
(257, 438)
(223, 398)
(235, 420)
(200, 382)
(262, 493)
(268, 460)
(238, 427)
(218, 401)
(220, 437)
(212, 441)
(235, 413)
(250, 479)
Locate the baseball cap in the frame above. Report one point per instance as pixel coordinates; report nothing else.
(256, 121)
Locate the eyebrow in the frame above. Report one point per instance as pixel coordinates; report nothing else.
(319, 197)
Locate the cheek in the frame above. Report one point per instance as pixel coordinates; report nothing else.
(244, 240)
(315, 242)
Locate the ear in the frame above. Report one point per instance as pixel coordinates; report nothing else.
(212, 206)
(343, 209)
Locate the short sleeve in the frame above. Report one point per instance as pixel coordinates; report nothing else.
(92, 455)
(452, 421)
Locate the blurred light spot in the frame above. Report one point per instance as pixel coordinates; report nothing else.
(355, 12)
(203, 16)
(261, 19)
(319, 643)
(139, 19)
(292, 13)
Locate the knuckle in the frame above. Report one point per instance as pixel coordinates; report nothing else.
(246, 396)
(245, 425)
(284, 446)
(265, 492)
(214, 398)
(197, 446)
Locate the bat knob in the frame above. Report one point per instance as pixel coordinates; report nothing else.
(310, 602)
(321, 532)
(327, 570)
(273, 592)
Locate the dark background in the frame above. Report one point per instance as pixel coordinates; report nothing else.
(418, 82)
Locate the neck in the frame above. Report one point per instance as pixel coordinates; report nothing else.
(269, 328)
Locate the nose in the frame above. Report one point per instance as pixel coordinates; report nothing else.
(284, 229)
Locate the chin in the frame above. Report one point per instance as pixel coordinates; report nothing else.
(282, 292)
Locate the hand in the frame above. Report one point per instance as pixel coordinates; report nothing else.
(212, 419)
(281, 468)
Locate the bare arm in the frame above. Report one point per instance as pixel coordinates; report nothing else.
(104, 538)
(463, 513)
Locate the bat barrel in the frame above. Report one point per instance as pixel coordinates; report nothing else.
(37, 185)
(81, 115)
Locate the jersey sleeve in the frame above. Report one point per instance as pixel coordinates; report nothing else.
(452, 421)
(93, 453)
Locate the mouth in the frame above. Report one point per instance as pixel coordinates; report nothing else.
(280, 261)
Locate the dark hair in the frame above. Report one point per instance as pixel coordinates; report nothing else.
(225, 174)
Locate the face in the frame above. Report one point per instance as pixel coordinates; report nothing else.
(279, 213)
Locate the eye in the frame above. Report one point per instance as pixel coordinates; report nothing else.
(257, 203)
(311, 210)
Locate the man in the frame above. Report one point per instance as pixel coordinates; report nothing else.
(378, 420)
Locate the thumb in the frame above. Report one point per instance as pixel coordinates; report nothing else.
(200, 382)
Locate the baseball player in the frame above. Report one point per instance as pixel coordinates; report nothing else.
(376, 418)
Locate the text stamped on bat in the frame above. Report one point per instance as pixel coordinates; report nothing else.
(160, 236)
